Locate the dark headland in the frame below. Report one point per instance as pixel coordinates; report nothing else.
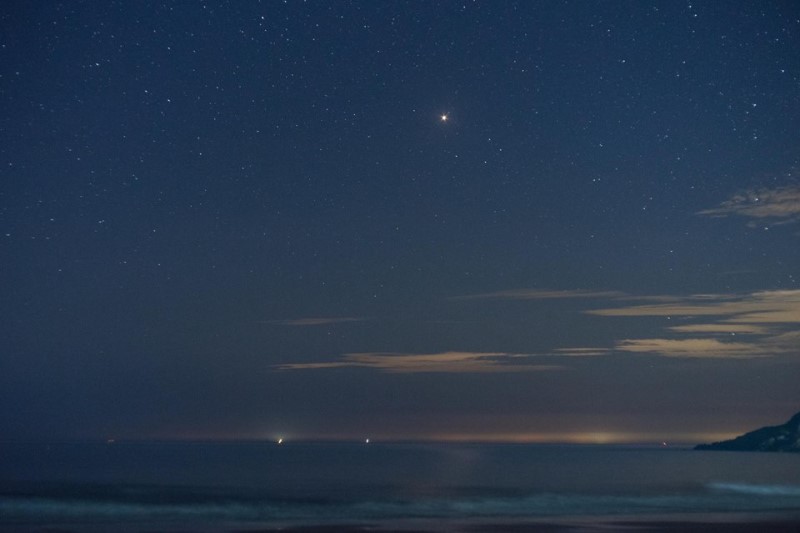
(783, 438)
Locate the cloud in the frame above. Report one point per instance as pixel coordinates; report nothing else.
(764, 324)
(452, 362)
(539, 294)
(758, 307)
(714, 326)
(405, 363)
(721, 326)
(725, 327)
(316, 321)
(781, 204)
(693, 348)
(581, 352)
(790, 339)
(772, 307)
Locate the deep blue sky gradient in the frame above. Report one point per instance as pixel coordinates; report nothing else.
(181, 182)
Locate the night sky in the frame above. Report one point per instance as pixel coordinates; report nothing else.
(546, 221)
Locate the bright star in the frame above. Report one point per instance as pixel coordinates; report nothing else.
(444, 117)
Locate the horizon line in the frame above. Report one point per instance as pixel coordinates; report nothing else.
(676, 441)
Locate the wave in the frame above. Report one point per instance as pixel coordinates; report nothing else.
(73, 502)
(754, 489)
(232, 508)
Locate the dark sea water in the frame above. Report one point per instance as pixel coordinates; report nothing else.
(144, 486)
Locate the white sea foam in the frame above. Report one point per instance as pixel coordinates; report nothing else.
(760, 490)
(723, 497)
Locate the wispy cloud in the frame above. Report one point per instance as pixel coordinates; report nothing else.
(314, 321)
(407, 363)
(781, 204)
(757, 307)
(539, 294)
(725, 328)
(581, 352)
(710, 326)
(733, 326)
(693, 348)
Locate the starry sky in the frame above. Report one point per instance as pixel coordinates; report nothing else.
(525, 221)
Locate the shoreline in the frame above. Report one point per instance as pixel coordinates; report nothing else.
(768, 522)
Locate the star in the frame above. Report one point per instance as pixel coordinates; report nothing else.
(443, 117)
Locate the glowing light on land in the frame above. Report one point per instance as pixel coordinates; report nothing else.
(280, 441)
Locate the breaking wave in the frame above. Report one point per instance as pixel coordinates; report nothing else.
(758, 490)
(720, 497)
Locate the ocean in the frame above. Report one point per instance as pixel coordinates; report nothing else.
(240, 486)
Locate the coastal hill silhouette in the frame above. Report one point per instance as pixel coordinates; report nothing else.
(783, 438)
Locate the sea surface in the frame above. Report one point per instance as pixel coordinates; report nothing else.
(180, 486)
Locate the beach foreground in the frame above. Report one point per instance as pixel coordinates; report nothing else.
(785, 523)
(689, 525)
